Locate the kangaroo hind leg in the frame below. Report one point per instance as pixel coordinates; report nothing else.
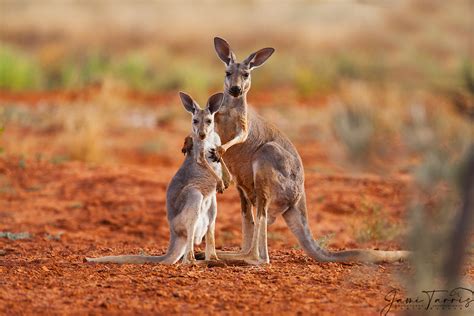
(263, 173)
(187, 219)
(210, 238)
(248, 225)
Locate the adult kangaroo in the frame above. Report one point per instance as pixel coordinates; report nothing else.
(268, 170)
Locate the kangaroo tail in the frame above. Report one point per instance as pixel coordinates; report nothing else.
(175, 251)
(297, 220)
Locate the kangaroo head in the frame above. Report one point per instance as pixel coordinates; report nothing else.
(237, 75)
(202, 119)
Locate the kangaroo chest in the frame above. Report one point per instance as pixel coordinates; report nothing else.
(238, 157)
(227, 124)
(210, 143)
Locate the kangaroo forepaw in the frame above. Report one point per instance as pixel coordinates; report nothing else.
(220, 151)
(227, 182)
(213, 155)
(216, 153)
(221, 187)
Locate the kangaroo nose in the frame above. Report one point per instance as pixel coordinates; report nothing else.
(235, 91)
(202, 135)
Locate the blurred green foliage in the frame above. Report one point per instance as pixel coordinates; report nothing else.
(19, 71)
(164, 70)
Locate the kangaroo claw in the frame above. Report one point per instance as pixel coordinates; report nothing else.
(213, 155)
(216, 153)
(221, 187)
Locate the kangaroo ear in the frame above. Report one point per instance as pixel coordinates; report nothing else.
(223, 51)
(188, 102)
(215, 101)
(259, 57)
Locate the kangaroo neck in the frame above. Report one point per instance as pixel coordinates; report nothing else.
(229, 102)
(198, 145)
(232, 112)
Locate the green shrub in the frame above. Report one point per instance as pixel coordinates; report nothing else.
(376, 226)
(18, 71)
(136, 72)
(318, 78)
(77, 72)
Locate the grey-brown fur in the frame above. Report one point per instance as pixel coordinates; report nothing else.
(268, 170)
(191, 194)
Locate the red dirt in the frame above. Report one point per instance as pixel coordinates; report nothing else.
(262, 99)
(118, 209)
(121, 209)
(85, 94)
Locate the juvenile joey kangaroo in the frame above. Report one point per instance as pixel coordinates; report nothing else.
(191, 194)
(268, 170)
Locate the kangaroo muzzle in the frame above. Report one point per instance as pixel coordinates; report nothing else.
(235, 91)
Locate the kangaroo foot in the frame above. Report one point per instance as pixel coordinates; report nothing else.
(234, 258)
(188, 262)
(241, 256)
(213, 257)
(201, 255)
(189, 258)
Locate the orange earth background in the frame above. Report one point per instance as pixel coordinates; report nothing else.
(92, 129)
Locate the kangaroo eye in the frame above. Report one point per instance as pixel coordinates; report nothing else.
(245, 75)
(195, 121)
(208, 121)
(228, 74)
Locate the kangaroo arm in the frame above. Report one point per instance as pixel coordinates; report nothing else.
(241, 136)
(203, 162)
(226, 176)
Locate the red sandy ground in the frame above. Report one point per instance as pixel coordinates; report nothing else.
(119, 209)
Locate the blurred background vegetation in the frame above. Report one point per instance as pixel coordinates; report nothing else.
(155, 46)
(358, 67)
